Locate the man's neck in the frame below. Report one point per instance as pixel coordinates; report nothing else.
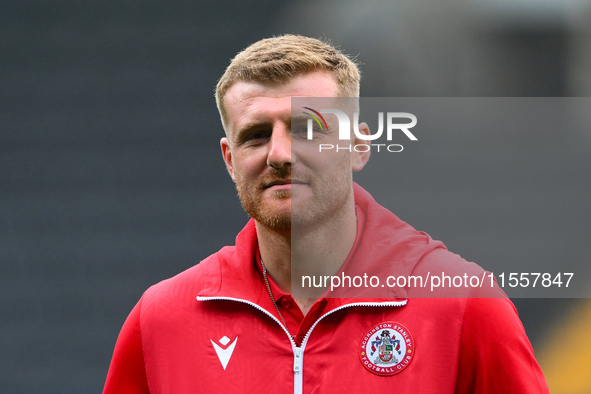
(318, 252)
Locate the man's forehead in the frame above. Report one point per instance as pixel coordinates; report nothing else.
(319, 83)
(251, 109)
(249, 99)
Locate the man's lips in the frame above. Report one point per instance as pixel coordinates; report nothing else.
(284, 183)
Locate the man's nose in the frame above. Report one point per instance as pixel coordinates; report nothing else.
(279, 148)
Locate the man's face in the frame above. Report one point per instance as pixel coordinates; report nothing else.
(280, 176)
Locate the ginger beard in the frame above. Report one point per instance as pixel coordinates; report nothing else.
(257, 206)
(295, 210)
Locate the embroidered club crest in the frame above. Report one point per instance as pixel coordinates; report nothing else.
(387, 349)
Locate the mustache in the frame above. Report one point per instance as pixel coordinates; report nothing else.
(276, 174)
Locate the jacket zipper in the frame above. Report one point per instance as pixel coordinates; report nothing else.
(298, 352)
(298, 378)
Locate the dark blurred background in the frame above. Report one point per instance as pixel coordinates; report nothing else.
(111, 177)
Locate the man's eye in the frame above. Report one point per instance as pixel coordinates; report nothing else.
(299, 130)
(259, 135)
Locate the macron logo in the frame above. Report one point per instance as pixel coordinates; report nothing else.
(224, 353)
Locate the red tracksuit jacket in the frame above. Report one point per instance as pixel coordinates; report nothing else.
(213, 329)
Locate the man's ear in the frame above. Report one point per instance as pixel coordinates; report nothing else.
(227, 154)
(359, 159)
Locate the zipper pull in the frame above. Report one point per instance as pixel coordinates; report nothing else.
(297, 360)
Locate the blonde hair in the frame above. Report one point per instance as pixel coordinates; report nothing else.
(280, 58)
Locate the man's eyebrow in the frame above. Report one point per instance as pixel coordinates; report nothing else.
(300, 117)
(254, 124)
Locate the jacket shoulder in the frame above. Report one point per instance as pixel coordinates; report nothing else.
(448, 275)
(185, 286)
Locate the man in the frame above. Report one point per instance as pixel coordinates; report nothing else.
(229, 324)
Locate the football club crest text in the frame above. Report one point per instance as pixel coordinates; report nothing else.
(387, 349)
